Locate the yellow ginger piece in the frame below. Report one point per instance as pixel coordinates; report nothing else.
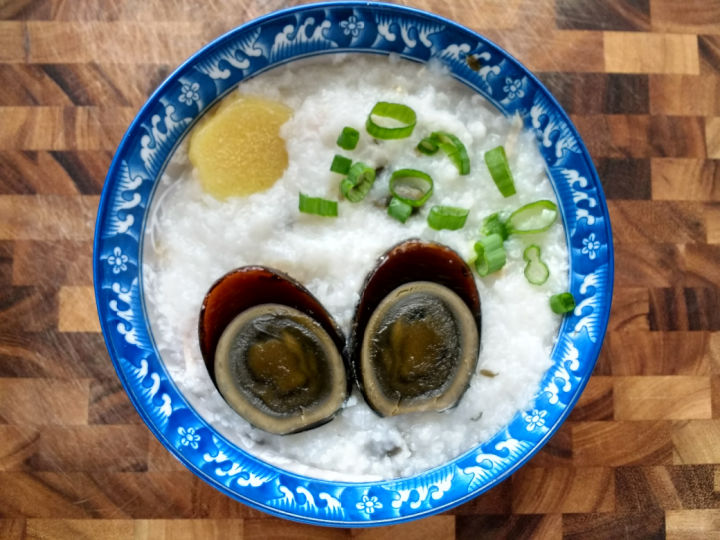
(237, 149)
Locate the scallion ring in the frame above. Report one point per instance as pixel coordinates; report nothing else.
(490, 254)
(499, 168)
(427, 146)
(447, 217)
(399, 210)
(411, 186)
(348, 138)
(534, 217)
(562, 303)
(317, 206)
(536, 271)
(402, 119)
(493, 224)
(454, 148)
(357, 183)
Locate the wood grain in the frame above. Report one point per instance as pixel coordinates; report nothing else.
(597, 401)
(690, 524)
(658, 353)
(35, 401)
(685, 179)
(638, 457)
(76, 310)
(562, 50)
(684, 308)
(625, 178)
(64, 128)
(561, 490)
(514, 526)
(598, 93)
(694, 16)
(712, 223)
(693, 442)
(601, 15)
(680, 95)
(638, 52)
(630, 309)
(607, 525)
(712, 137)
(121, 42)
(672, 397)
(658, 221)
(647, 442)
(48, 217)
(645, 489)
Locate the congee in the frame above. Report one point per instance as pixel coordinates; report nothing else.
(425, 165)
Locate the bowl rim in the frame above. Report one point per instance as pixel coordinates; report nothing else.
(137, 125)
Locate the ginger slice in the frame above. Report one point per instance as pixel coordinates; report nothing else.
(237, 149)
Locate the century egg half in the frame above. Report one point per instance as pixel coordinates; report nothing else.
(415, 337)
(272, 350)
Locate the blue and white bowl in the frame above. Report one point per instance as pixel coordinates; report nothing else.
(168, 115)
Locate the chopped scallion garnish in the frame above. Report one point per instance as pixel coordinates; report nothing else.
(411, 186)
(399, 210)
(348, 138)
(454, 148)
(402, 119)
(499, 168)
(447, 217)
(448, 143)
(534, 217)
(428, 146)
(317, 206)
(562, 303)
(536, 271)
(357, 183)
(490, 254)
(493, 224)
(340, 164)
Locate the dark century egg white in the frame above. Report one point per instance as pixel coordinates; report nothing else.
(272, 350)
(415, 338)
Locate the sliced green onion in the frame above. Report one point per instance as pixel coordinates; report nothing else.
(428, 146)
(318, 206)
(447, 217)
(490, 254)
(348, 138)
(448, 143)
(411, 186)
(358, 182)
(536, 271)
(493, 224)
(340, 164)
(562, 303)
(399, 210)
(534, 217)
(401, 114)
(454, 148)
(499, 168)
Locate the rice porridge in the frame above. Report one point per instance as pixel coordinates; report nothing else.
(193, 238)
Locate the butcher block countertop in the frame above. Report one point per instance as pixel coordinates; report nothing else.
(639, 456)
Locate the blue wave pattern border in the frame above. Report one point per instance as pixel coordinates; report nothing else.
(192, 89)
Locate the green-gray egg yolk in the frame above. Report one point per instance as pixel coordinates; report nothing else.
(278, 363)
(416, 347)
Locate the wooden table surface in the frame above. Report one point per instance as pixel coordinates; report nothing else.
(640, 454)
